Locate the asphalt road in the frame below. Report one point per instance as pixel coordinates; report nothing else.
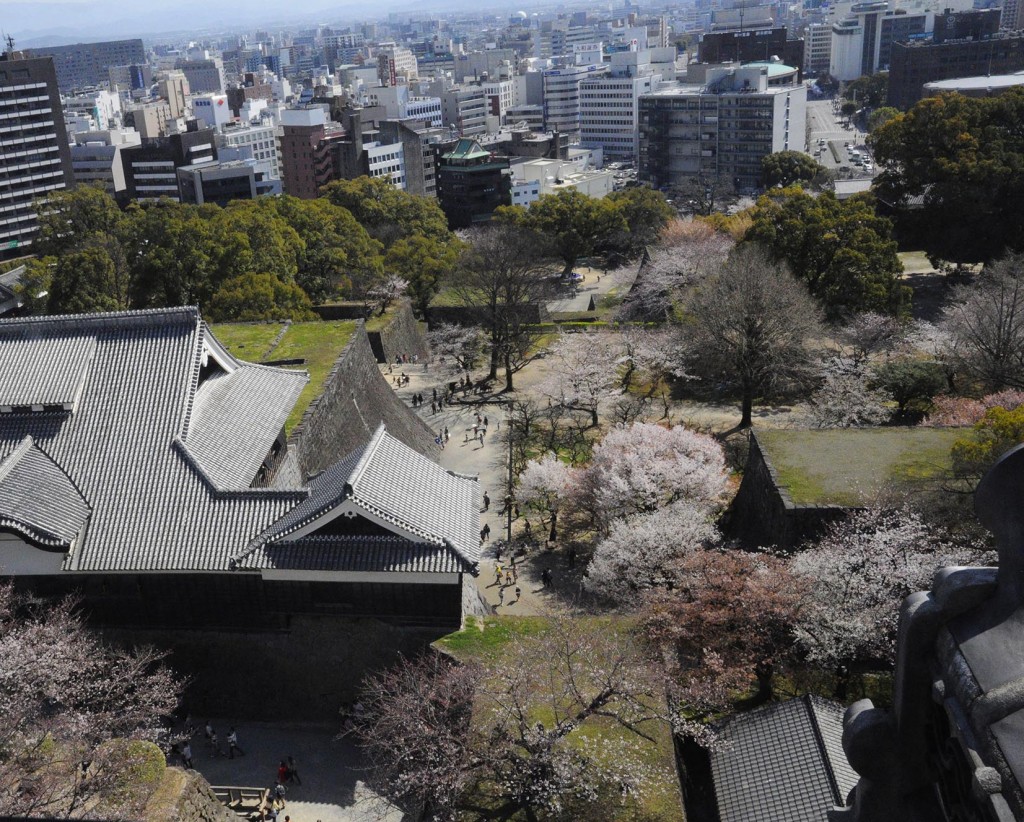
(826, 125)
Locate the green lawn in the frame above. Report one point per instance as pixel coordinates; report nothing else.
(318, 343)
(247, 341)
(485, 639)
(847, 466)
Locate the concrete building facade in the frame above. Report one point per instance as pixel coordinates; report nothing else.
(35, 158)
(87, 64)
(721, 130)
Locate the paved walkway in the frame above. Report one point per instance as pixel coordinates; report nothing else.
(596, 283)
(489, 461)
(331, 770)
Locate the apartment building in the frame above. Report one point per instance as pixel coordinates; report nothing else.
(259, 141)
(308, 160)
(204, 76)
(464, 109)
(722, 129)
(817, 49)
(34, 155)
(88, 64)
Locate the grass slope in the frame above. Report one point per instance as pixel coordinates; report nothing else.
(317, 343)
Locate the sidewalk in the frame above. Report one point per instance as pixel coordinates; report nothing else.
(489, 462)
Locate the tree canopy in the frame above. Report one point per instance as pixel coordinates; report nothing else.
(787, 168)
(572, 222)
(842, 249)
(962, 158)
(871, 90)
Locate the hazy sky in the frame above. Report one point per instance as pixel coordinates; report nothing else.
(98, 19)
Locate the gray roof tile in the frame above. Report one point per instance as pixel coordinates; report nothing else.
(783, 762)
(162, 457)
(360, 553)
(38, 500)
(394, 483)
(229, 445)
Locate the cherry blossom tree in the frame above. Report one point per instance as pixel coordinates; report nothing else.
(584, 372)
(545, 486)
(642, 552)
(690, 250)
(859, 573)
(642, 467)
(74, 713)
(869, 333)
(731, 610)
(956, 411)
(385, 292)
(510, 736)
(455, 347)
(846, 399)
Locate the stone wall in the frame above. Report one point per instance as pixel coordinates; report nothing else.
(471, 315)
(185, 796)
(355, 399)
(401, 335)
(764, 514)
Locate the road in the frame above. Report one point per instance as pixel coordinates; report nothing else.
(824, 124)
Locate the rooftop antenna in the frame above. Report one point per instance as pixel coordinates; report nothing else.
(10, 43)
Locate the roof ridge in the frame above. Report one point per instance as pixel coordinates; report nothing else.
(370, 449)
(401, 523)
(115, 319)
(15, 456)
(193, 380)
(819, 741)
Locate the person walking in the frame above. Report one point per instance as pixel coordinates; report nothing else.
(293, 771)
(497, 574)
(501, 596)
(545, 578)
(233, 744)
(186, 756)
(487, 501)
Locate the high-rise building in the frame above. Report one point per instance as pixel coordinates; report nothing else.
(862, 42)
(150, 169)
(562, 96)
(308, 160)
(914, 64)
(464, 109)
(174, 87)
(88, 64)
(722, 129)
(750, 45)
(259, 140)
(204, 76)
(417, 139)
(817, 49)
(34, 155)
(609, 105)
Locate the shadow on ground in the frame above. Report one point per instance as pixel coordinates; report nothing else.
(331, 771)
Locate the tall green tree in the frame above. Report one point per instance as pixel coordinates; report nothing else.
(85, 280)
(386, 212)
(787, 168)
(841, 249)
(168, 247)
(67, 218)
(960, 162)
(646, 213)
(253, 297)
(339, 258)
(423, 262)
(871, 90)
(572, 222)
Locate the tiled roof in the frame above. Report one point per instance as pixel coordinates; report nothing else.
(360, 553)
(166, 432)
(782, 763)
(393, 483)
(38, 500)
(44, 371)
(152, 506)
(231, 446)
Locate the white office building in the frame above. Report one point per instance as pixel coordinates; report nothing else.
(261, 140)
(96, 157)
(386, 161)
(610, 104)
(535, 178)
(562, 96)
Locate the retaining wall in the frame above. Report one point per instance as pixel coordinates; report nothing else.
(401, 335)
(764, 514)
(185, 796)
(355, 399)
